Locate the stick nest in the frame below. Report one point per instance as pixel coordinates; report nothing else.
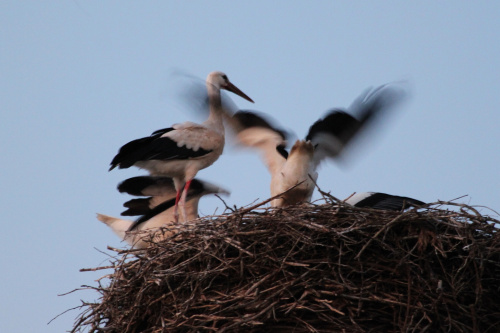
(309, 268)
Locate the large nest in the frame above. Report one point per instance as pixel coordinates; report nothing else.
(309, 268)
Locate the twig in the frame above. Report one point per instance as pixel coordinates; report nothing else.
(249, 209)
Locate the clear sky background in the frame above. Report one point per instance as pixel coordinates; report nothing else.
(78, 79)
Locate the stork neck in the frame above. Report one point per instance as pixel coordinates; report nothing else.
(215, 105)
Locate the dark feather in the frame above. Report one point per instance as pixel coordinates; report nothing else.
(143, 206)
(137, 207)
(282, 151)
(385, 201)
(153, 147)
(139, 185)
(337, 123)
(152, 213)
(369, 106)
(247, 119)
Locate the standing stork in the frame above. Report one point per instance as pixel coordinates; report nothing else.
(157, 210)
(182, 150)
(327, 138)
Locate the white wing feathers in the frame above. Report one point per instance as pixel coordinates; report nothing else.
(254, 131)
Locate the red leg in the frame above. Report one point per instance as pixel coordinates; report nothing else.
(183, 199)
(186, 188)
(176, 209)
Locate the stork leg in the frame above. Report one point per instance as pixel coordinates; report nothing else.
(182, 201)
(176, 208)
(179, 187)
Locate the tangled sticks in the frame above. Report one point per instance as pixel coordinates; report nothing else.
(309, 268)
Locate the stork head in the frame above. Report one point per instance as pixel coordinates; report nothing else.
(219, 80)
(303, 150)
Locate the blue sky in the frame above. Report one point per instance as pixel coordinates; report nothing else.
(78, 79)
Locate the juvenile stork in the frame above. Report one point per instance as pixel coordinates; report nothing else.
(327, 138)
(157, 210)
(182, 150)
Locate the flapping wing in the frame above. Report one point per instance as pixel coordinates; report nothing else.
(254, 130)
(333, 133)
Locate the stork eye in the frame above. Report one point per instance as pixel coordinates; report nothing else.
(225, 77)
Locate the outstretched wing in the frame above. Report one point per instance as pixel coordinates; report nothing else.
(333, 133)
(253, 130)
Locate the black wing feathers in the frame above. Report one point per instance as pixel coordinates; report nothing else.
(146, 185)
(152, 213)
(282, 151)
(149, 185)
(388, 202)
(248, 119)
(137, 207)
(370, 105)
(154, 147)
(337, 123)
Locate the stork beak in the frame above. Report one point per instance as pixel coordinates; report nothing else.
(232, 88)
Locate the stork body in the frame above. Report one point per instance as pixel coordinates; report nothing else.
(382, 201)
(327, 138)
(182, 150)
(156, 211)
(297, 170)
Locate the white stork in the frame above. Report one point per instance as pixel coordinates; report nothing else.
(382, 201)
(182, 150)
(327, 138)
(157, 211)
